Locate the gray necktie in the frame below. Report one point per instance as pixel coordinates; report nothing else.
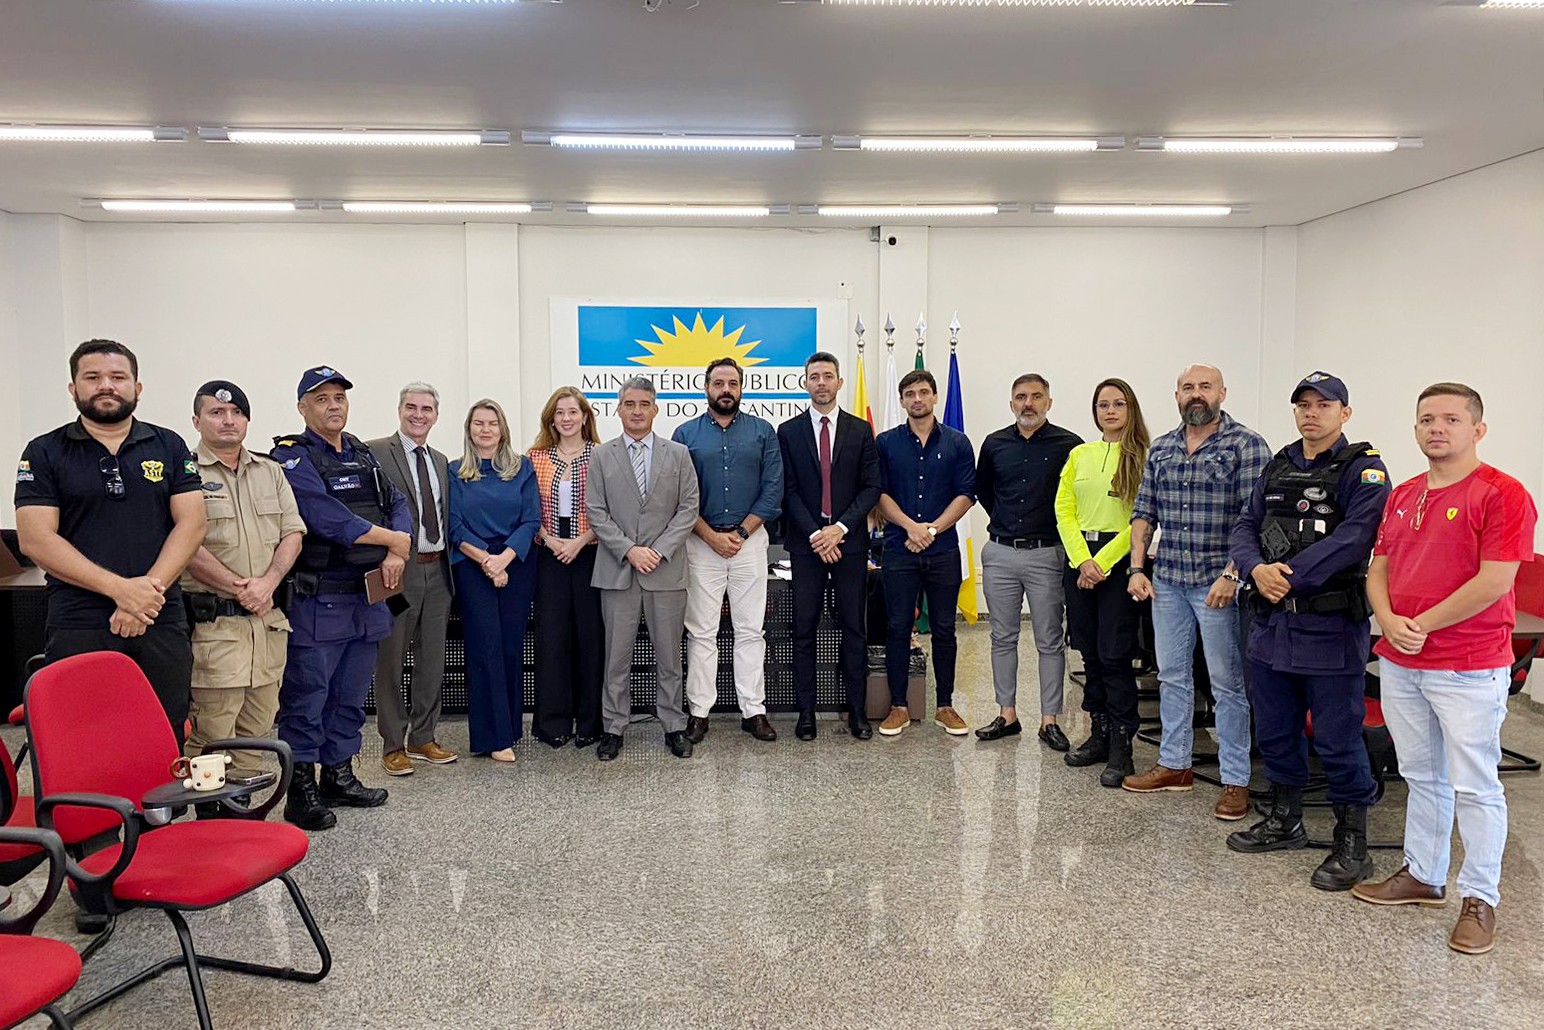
(640, 470)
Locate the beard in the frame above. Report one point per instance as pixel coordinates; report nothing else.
(1199, 413)
(110, 416)
(1029, 421)
(725, 404)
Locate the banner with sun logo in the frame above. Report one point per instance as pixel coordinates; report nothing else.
(598, 346)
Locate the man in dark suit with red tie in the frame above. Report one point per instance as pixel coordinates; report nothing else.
(831, 482)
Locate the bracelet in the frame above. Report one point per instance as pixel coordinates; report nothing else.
(1232, 577)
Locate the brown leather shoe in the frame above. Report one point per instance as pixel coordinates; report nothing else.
(1401, 889)
(758, 727)
(950, 720)
(898, 719)
(396, 764)
(1160, 777)
(430, 752)
(1233, 805)
(1475, 933)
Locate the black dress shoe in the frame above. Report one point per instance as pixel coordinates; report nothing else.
(804, 729)
(584, 740)
(679, 744)
(999, 728)
(758, 727)
(561, 740)
(697, 728)
(1053, 737)
(610, 746)
(859, 727)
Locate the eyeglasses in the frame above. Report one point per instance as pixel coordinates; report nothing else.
(1110, 405)
(112, 479)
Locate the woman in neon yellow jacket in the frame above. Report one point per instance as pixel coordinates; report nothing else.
(1093, 516)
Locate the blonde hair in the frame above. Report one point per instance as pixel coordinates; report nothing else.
(547, 437)
(506, 460)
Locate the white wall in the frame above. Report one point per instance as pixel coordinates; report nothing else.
(11, 441)
(1441, 283)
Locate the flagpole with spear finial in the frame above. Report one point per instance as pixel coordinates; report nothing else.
(893, 416)
(921, 339)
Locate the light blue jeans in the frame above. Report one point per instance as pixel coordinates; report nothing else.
(1177, 613)
(1447, 735)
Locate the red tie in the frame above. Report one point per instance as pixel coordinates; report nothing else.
(825, 465)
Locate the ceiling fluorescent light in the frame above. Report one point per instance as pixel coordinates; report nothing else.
(1278, 144)
(1146, 210)
(908, 210)
(438, 207)
(667, 141)
(979, 144)
(356, 137)
(1018, 3)
(1494, 4)
(250, 207)
(93, 133)
(682, 210)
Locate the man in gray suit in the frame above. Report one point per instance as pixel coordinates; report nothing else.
(641, 496)
(418, 471)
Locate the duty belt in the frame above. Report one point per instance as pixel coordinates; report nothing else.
(310, 584)
(205, 608)
(1337, 602)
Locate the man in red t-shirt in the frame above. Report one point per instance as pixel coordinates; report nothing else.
(1441, 588)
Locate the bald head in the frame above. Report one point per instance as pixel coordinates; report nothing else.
(1199, 393)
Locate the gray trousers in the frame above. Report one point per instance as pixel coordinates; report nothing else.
(427, 590)
(665, 611)
(1008, 577)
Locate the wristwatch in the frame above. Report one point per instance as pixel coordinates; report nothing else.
(932, 531)
(1232, 577)
(1132, 570)
(741, 533)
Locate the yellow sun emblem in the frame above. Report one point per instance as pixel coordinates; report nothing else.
(697, 345)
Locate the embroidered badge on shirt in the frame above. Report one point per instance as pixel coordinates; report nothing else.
(154, 471)
(24, 472)
(189, 465)
(1374, 476)
(1452, 513)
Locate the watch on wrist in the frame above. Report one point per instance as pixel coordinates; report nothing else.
(932, 531)
(740, 532)
(1232, 577)
(1132, 570)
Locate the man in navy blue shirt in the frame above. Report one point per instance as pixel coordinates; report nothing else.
(356, 522)
(1303, 543)
(928, 477)
(740, 486)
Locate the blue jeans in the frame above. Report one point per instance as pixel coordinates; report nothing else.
(1447, 733)
(907, 577)
(1177, 612)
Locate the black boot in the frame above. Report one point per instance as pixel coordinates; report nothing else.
(1096, 748)
(1118, 766)
(303, 805)
(1347, 864)
(1281, 829)
(340, 787)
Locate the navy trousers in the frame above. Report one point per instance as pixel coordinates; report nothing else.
(1281, 702)
(493, 622)
(332, 650)
(908, 578)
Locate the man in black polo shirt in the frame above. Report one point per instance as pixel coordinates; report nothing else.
(1016, 479)
(112, 509)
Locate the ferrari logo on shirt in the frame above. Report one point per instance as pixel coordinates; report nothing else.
(154, 471)
(1374, 476)
(1452, 513)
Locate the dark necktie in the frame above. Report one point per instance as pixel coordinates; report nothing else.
(825, 465)
(429, 512)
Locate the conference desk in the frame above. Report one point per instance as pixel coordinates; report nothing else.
(829, 694)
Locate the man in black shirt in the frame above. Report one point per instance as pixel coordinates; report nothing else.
(112, 509)
(1016, 479)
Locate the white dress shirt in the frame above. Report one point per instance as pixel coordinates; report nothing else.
(409, 448)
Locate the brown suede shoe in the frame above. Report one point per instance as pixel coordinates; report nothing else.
(1233, 805)
(1160, 777)
(396, 764)
(898, 719)
(1475, 933)
(1401, 889)
(430, 752)
(950, 720)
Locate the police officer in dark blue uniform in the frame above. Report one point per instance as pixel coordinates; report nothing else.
(1302, 544)
(356, 522)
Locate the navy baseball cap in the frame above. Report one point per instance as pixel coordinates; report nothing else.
(315, 377)
(1327, 386)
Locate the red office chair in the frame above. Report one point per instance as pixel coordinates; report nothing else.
(35, 972)
(100, 742)
(20, 856)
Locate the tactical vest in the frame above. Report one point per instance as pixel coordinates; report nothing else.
(361, 487)
(1302, 507)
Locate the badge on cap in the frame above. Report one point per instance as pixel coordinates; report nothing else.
(223, 396)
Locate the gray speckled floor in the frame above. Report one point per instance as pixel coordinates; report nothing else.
(926, 881)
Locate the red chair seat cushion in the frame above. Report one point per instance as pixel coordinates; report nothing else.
(18, 715)
(1374, 717)
(21, 816)
(201, 864)
(34, 971)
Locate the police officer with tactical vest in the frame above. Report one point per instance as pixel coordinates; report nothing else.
(1302, 545)
(356, 522)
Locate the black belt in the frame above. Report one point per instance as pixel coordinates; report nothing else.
(1021, 543)
(309, 584)
(725, 529)
(206, 608)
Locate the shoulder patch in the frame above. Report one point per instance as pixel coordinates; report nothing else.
(1374, 476)
(190, 466)
(24, 471)
(292, 463)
